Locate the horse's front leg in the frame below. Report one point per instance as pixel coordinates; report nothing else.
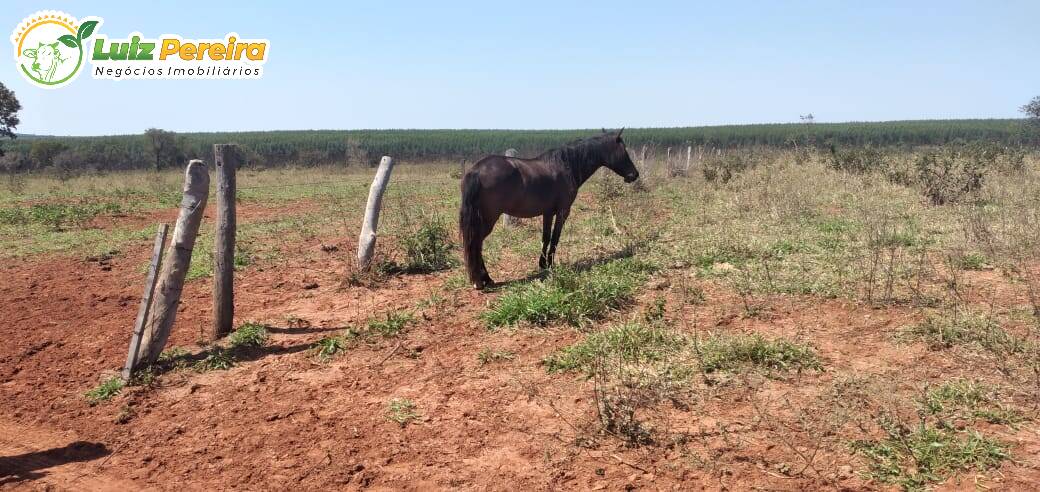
(561, 217)
(543, 259)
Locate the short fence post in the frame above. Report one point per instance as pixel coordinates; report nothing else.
(146, 301)
(175, 265)
(689, 150)
(509, 219)
(367, 241)
(226, 158)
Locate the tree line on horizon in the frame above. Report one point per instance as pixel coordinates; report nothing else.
(159, 149)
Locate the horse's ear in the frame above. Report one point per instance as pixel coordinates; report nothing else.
(619, 133)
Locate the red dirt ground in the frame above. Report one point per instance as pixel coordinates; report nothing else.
(283, 420)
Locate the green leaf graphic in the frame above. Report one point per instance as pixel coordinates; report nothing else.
(69, 41)
(86, 29)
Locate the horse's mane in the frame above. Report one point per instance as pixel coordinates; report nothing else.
(580, 151)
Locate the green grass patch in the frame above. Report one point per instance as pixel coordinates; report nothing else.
(56, 215)
(569, 296)
(627, 343)
(730, 352)
(915, 457)
(104, 391)
(966, 399)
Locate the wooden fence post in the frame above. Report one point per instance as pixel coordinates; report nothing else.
(689, 150)
(226, 158)
(146, 301)
(175, 266)
(509, 219)
(367, 241)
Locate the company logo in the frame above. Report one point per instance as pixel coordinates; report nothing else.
(52, 48)
(49, 47)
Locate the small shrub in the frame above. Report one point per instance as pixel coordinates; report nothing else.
(248, 335)
(859, 160)
(401, 410)
(428, 249)
(721, 168)
(952, 174)
(104, 391)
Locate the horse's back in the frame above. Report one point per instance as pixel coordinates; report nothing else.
(518, 187)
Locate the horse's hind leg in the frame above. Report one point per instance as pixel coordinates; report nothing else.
(489, 225)
(543, 259)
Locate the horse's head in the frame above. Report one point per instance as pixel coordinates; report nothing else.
(618, 159)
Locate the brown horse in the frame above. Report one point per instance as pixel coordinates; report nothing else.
(545, 185)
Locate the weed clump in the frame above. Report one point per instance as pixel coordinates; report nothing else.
(248, 335)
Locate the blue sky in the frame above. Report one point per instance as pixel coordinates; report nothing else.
(556, 64)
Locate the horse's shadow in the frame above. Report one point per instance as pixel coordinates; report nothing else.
(581, 265)
(29, 466)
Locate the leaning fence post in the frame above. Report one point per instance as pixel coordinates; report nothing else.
(509, 219)
(175, 265)
(367, 241)
(146, 301)
(226, 159)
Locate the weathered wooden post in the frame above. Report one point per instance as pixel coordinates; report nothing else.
(367, 241)
(146, 301)
(175, 266)
(509, 219)
(689, 150)
(226, 159)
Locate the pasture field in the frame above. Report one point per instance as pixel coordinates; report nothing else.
(772, 319)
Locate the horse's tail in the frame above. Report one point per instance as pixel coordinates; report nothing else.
(471, 224)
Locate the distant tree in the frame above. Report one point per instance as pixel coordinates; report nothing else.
(165, 146)
(43, 151)
(9, 107)
(1032, 110)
